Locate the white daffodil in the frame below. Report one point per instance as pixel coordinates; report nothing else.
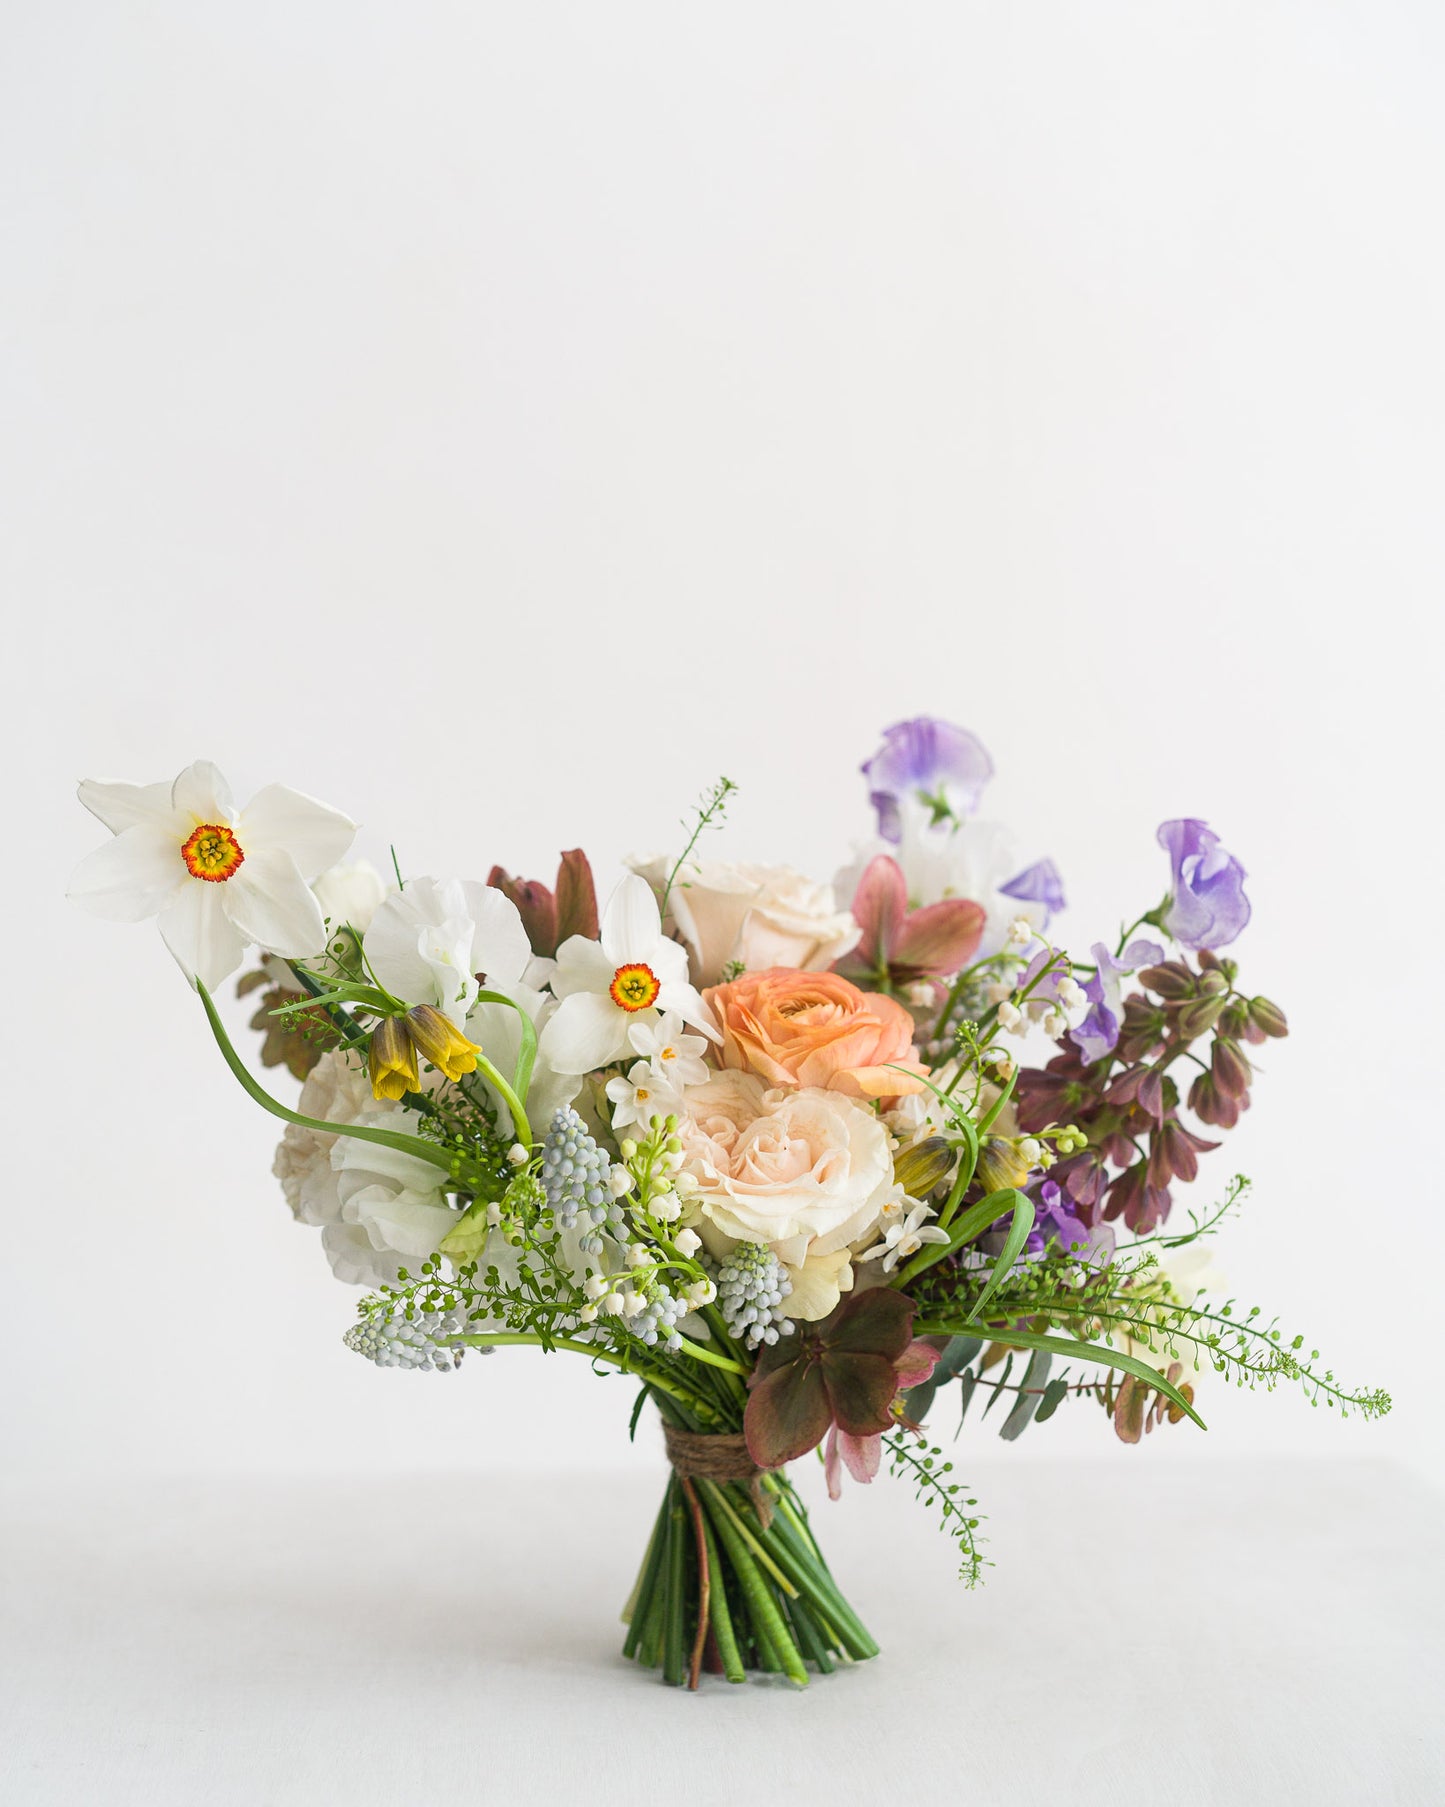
(217, 877)
(676, 1059)
(605, 985)
(904, 1236)
(427, 944)
(639, 1097)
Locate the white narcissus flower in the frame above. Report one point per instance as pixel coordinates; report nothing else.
(639, 1097)
(428, 942)
(676, 1059)
(217, 877)
(604, 986)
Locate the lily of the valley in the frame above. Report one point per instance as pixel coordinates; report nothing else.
(218, 878)
(606, 986)
(904, 1236)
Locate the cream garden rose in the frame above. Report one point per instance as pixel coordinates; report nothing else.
(805, 1172)
(755, 916)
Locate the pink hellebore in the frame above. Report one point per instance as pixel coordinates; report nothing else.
(862, 1455)
(902, 945)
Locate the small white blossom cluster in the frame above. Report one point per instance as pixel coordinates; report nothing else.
(751, 1288)
(1051, 1011)
(647, 1305)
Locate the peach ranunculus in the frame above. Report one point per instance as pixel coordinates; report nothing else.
(806, 1173)
(816, 1029)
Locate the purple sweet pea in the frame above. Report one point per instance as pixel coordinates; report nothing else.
(944, 764)
(1055, 1220)
(1098, 1034)
(1207, 907)
(1039, 883)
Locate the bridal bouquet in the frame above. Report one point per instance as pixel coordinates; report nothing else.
(779, 1152)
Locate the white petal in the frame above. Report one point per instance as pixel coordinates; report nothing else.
(364, 1163)
(315, 835)
(500, 947)
(122, 806)
(689, 1004)
(585, 1031)
(272, 905)
(631, 927)
(411, 1223)
(199, 933)
(202, 792)
(133, 876)
(581, 966)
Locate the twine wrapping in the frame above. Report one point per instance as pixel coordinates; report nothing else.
(718, 1456)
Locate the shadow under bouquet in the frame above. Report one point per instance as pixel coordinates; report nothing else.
(772, 1149)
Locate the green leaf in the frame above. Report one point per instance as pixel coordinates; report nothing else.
(388, 1138)
(997, 1385)
(527, 1054)
(958, 1353)
(967, 1385)
(638, 1404)
(1054, 1395)
(1018, 1235)
(1074, 1350)
(1029, 1400)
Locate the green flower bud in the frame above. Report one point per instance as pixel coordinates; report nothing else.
(923, 1166)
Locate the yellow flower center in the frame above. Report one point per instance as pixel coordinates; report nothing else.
(212, 853)
(668, 1054)
(634, 987)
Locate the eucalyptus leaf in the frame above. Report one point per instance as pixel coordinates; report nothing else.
(1074, 1350)
(1054, 1395)
(1029, 1400)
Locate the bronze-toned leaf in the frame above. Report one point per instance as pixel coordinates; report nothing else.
(860, 1390)
(787, 1415)
(876, 1322)
(576, 897)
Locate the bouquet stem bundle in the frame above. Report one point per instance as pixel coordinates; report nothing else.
(733, 1579)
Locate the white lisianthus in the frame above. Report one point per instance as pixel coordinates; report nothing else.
(378, 1209)
(427, 943)
(349, 895)
(804, 1172)
(631, 974)
(751, 916)
(217, 877)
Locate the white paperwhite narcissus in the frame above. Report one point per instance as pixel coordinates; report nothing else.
(639, 1097)
(606, 985)
(217, 877)
(676, 1059)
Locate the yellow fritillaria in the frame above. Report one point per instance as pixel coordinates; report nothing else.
(438, 1040)
(392, 1062)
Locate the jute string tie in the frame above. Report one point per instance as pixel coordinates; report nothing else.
(718, 1456)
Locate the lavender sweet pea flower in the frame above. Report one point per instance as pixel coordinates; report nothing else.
(1098, 1034)
(1039, 883)
(1207, 907)
(943, 764)
(1056, 1221)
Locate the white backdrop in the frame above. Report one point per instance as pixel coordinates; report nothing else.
(500, 420)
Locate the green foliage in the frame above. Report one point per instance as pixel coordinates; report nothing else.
(913, 1458)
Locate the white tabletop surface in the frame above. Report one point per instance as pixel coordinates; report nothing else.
(1187, 1633)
